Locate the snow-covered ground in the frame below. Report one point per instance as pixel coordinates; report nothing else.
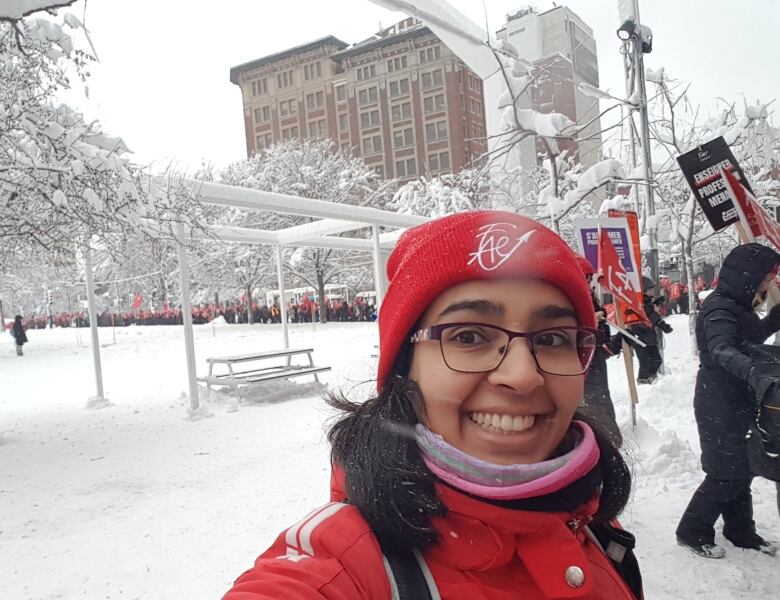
(137, 501)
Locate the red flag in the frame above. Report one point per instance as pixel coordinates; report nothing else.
(613, 277)
(760, 221)
(136, 302)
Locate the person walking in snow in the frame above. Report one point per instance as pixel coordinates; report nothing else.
(20, 337)
(598, 400)
(471, 473)
(649, 356)
(724, 402)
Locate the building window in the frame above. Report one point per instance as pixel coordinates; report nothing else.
(436, 131)
(318, 128)
(366, 72)
(289, 133)
(370, 118)
(396, 64)
(341, 93)
(401, 111)
(315, 100)
(260, 86)
(403, 138)
(368, 96)
(372, 144)
(343, 121)
(263, 141)
(399, 88)
(479, 132)
(433, 103)
(284, 79)
(475, 83)
(262, 114)
(430, 54)
(312, 71)
(439, 161)
(476, 107)
(406, 168)
(288, 107)
(432, 79)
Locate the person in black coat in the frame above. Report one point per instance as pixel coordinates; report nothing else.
(19, 334)
(597, 399)
(649, 356)
(724, 402)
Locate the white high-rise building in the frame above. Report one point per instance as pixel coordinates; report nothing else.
(563, 48)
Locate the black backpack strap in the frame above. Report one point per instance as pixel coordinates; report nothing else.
(618, 545)
(409, 578)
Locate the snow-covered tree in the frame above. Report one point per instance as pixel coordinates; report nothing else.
(310, 169)
(62, 178)
(443, 194)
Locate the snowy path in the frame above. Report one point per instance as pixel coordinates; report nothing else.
(135, 501)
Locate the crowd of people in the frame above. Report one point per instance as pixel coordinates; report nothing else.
(306, 311)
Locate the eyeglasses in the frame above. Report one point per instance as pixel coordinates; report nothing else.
(478, 347)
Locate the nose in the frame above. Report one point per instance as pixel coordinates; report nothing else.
(518, 370)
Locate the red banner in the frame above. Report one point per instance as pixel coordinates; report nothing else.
(613, 277)
(760, 221)
(136, 302)
(629, 316)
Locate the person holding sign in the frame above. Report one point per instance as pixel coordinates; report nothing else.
(724, 401)
(649, 355)
(598, 400)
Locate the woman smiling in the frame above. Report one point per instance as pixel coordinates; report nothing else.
(470, 474)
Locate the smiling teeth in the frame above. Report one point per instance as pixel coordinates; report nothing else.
(504, 423)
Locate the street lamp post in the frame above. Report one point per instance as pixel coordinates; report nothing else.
(639, 39)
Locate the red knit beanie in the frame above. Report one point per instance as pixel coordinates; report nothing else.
(486, 244)
(585, 265)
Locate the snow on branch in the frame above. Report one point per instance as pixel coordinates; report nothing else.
(14, 10)
(594, 177)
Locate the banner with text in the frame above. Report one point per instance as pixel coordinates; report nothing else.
(759, 220)
(619, 232)
(701, 167)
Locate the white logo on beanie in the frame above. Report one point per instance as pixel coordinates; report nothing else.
(495, 245)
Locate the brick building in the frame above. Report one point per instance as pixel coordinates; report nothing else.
(401, 100)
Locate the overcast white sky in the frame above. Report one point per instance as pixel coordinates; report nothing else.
(163, 78)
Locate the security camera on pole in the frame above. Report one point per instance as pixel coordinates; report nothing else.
(638, 41)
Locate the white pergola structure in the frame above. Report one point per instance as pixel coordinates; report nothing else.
(333, 218)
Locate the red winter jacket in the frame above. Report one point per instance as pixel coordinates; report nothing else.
(484, 553)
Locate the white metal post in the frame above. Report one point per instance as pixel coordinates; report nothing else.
(282, 303)
(93, 319)
(186, 315)
(379, 279)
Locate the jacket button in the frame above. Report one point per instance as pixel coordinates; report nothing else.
(574, 576)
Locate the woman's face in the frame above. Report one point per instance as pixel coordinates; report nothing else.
(459, 404)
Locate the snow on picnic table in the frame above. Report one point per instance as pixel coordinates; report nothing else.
(137, 501)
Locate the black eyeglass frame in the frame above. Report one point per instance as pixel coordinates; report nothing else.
(434, 333)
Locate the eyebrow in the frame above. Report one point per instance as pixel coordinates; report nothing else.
(553, 311)
(481, 306)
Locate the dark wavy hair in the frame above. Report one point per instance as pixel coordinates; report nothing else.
(385, 475)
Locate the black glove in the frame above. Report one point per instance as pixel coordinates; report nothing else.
(665, 327)
(773, 318)
(762, 378)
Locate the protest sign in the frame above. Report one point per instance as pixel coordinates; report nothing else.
(701, 167)
(624, 238)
